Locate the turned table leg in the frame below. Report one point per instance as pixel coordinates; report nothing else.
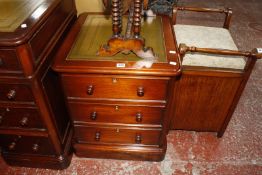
(116, 17)
(137, 17)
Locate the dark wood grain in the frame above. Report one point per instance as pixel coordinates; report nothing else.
(118, 87)
(115, 113)
(118, 112)
(116, 135)
(28, 109)
(227, 11)
(25, 118)
(203, 101)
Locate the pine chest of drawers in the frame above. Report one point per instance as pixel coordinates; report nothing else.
(35, 129)
(118, 111)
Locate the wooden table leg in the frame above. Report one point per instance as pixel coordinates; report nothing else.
(137, 17)
(116, 17)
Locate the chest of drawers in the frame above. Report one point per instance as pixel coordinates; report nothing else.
(35, 129)
(117, 111)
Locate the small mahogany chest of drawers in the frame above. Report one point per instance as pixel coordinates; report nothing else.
(118, 110)
(35, 129)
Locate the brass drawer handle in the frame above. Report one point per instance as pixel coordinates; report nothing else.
(24, 121)
(1, 62)
(90, 90)
(93, 115)
(11, 94)
(139, 117)
(97, 136)
(12, 146)
(140, 91)
(35, 147)
(138, 139)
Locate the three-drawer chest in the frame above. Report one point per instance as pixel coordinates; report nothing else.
(35, 129)
(118, 110)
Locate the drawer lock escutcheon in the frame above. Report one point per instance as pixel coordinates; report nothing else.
(117, 108)
(114, 80)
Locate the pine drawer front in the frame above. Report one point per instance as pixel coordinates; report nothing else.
(9, 61)
(26, 145)
(24, 118)
(115, 113)
(115, 87)
(15, 93)
(117, 135)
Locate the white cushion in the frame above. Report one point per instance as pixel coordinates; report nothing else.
(208, 37)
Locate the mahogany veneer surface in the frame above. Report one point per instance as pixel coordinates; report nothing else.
(118, 112)
(34, 126)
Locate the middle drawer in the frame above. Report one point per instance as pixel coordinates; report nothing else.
(114, 113)
(15, 93)
(17, 117)
(116, 87)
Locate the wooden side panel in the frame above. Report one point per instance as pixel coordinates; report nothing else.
(203, 102)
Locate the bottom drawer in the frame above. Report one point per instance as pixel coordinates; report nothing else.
(26, 145)
(117, 135)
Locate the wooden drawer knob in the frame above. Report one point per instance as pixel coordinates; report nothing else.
(139, 117)
(140, 91)
(97, 136)
(93, 115)
(35, 147)
(90, 90)
(24, 121)
(1, 62)
(11, 147)
(138, 139)
(11, 94)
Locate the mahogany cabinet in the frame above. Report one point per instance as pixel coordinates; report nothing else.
(35, 129)
(118, 111)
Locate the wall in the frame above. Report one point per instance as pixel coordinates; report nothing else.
(89, 6)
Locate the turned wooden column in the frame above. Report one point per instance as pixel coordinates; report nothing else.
(137, 17)
(116, 17)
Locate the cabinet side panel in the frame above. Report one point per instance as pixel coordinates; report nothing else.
(203, 102)
(57, 103)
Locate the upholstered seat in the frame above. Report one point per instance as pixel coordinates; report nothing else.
(208, 37)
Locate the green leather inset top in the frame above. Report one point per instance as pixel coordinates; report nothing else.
(14, 12)
(98, 29)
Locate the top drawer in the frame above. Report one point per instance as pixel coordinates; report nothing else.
(116, 87)
(8, 61)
